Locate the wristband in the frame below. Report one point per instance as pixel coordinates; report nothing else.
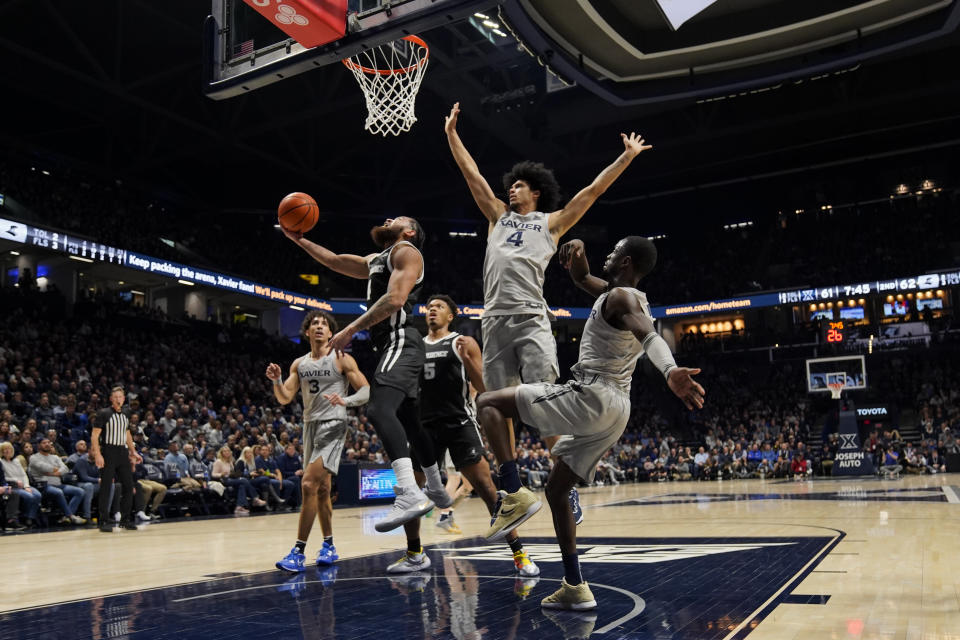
(277, 382)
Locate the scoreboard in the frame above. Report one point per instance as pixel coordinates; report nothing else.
(833, 332)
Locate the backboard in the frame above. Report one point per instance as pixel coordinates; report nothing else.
(821, 372)
(243, 51)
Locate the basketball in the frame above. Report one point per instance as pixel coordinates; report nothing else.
(298, 212)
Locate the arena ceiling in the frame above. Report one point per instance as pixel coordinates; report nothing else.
(115, 86)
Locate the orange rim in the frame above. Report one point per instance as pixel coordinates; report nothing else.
(350, 64)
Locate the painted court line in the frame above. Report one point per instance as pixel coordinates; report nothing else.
(638, 603)
(951, 495)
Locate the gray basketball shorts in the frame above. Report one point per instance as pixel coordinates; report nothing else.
(323, 439)
(590, 418)
(518, 348)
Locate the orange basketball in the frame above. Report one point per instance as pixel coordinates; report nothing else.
(298, 212)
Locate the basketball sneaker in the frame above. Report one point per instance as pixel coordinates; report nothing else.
(447, 524)
(292, 562)
(571, 598)
(515, 509)
(440, 497)
(525, 566)
(575, 505)
(409, 504)
(573, 626)
(410, 562)
(327, 555)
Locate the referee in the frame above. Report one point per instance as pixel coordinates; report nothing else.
(113, 457)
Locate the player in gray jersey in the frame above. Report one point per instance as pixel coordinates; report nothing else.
(322, 377)
(590, 412)
(522, 236)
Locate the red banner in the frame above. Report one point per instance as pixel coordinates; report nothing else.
(309, 22)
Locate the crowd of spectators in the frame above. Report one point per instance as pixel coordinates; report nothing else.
(704, 262)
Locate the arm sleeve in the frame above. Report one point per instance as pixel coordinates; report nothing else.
(659, 353)
(362, 396)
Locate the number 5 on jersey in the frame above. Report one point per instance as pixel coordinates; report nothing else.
(429, 370)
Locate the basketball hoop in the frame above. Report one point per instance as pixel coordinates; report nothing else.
(389, 76)
(836, 388)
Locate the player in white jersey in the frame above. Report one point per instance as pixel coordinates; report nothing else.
(590, 412)
(321, 376)
(522, 236)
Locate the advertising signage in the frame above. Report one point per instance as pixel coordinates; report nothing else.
(92, 251)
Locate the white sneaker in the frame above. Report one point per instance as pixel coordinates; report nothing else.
(116, 517)
(439, 496)
(410, 562)
(143, 517)
(409, 504)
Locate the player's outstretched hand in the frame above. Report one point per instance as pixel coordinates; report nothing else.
(340, 341)
(569, 251)
(273, 371)
(683, 385)
(634, 143)
(335, 399)
(293, 235)
(450, 124)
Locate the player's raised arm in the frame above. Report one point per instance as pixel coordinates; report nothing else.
(573, 258)
(284, 390)
(348, 366)
(345, 263)
(483, 195)
(469, 352)
(561, 221)
(623, 311)
(407, 267)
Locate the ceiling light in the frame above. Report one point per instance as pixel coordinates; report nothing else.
(491, 24)
(186, 282)
(80, 259)
(481, 16)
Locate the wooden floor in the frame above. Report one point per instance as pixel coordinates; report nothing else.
(892, 571)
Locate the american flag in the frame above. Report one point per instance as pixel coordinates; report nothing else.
(243, 48)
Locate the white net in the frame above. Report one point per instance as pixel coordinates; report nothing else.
(390, 77)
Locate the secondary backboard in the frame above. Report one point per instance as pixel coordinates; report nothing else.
(822, 372)
(243, 51)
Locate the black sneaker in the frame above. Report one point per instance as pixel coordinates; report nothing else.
(13, 525)
(128, 525)
(106, 528)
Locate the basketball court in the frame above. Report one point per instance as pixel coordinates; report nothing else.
(832, 558)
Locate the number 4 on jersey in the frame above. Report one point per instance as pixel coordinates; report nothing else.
(516, 238)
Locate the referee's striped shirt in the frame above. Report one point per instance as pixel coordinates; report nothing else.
(114, 425)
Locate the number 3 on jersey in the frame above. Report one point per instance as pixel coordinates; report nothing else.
(314, 385)
(516, 238)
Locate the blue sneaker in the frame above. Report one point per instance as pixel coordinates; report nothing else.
(575, 506)
(292, 562)
(327, 555)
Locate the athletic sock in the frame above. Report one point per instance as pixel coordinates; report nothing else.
(510, 476)
(434, 481)
(328, 540)
(413, 546)
(515, 545)
(571, 569)
(445, 515)
(403, 468)
(301, 545)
